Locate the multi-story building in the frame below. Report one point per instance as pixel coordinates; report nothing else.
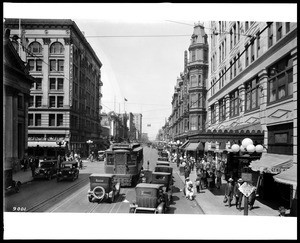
(253, 86)
(16, 92)
(65, 99)
(137, 120)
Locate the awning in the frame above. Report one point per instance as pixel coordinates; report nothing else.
(192, 146)
(288, 176)
(272, 163)
(44, 144)
(184, 144)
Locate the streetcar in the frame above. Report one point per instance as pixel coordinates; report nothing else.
(125, 160)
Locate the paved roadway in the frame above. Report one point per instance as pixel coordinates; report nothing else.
(67, 196)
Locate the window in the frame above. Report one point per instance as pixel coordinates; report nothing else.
(257, 45)
(38, 83)
(52, 101)
(56, 65)
(194, 100)
(56, 48)
(234, 34)
(222, 110)
(31, 101)
(193, 122)
(213, 114)
(270, 35)
(230, 69)
(252, 94)
(279, 30)
(59, 120)
(38, 120)
(252, 55)
(234, 66)
(38, 101)
(60, 101)
(35, 65)
(35, 48)
(51, 120)
(280, 82)
(30, 119)
(194, 81)
(287, 27)
(193, 56)
(56, 83)
(246, 56)
(234, 103)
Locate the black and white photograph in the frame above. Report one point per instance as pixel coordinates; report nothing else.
(114, 112)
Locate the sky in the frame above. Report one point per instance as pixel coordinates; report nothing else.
(143, 70)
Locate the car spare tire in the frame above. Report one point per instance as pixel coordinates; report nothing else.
(99, 192)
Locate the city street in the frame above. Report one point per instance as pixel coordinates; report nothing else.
(68, 196)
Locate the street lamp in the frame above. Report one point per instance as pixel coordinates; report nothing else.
(248, 148)
(89, 142)
(60, 143)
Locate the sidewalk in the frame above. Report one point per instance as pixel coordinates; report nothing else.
(211, 200)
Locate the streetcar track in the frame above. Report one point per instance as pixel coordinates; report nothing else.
(46, 201)
(65, 201)
(119, 200)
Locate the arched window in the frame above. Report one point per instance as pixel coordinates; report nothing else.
(57, 48)
(35, 48)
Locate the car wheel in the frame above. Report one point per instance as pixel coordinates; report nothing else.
(90, 199)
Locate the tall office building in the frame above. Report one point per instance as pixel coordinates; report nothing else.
(65, 99)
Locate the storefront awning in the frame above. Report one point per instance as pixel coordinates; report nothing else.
(192, 146)
(184, 144)
(288, 176)
(44, 144)
(272, 163)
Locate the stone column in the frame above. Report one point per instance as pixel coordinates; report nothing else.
(227, 107)
(46, 70)
(241, 99)
(263, 92)
(217, 111)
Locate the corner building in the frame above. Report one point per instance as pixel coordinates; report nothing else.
(253, 89)
(65, 99)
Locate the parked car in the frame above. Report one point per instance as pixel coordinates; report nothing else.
(9, 183)
(103, 187)
(150, 198)
(101, 155)
(47, 169)
(68, 170)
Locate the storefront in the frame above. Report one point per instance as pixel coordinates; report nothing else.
(268, 166)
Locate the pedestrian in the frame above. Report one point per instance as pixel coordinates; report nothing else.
(238, 194)
(204, 178)
(198, 183)
(32, 165)
(219, 179)
(187, 171)
(229, 192)
(36, 161)
(186, 183)
(26, 162)
(252, 198)
(190, 192)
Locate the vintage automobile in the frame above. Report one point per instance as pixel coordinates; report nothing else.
(164, 168)
(101, 155)
(166, 179)
(68, 170)
(103, 187)
(150, 198)
(10, 184)
(164, 163)
(47, 169)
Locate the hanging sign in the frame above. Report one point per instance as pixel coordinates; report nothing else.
(246, 189)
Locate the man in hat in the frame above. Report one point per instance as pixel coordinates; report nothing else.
(190, 192)
(238, 194)
(229, 191)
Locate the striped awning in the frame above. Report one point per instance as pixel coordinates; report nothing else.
(288, 176)
(272, 163)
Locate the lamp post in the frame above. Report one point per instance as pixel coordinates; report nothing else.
(178, 143)
(60, 143)
(89, 142)
(248, 148)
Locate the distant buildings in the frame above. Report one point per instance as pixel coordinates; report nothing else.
(65, 99)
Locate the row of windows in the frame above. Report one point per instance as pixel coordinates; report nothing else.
(55, 84)
(54, 120)
(55, 101)
(55, 65)
(280, 87)
(55, 48)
